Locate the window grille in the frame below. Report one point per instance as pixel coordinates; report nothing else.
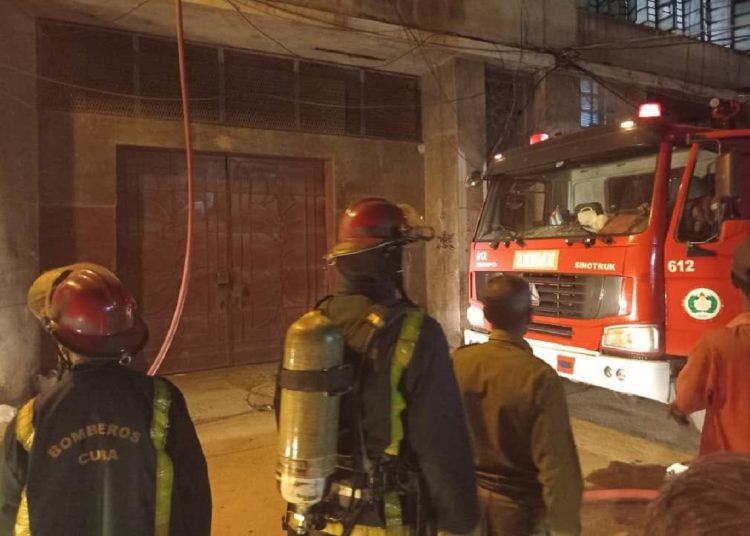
(594, 104)
(104, 71)
(722, 22)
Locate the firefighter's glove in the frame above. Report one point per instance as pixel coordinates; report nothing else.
(677, 414)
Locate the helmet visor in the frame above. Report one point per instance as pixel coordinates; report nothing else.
(416, 228)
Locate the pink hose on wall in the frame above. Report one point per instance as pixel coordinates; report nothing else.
(182, 295)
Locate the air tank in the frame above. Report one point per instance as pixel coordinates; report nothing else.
(309, 414)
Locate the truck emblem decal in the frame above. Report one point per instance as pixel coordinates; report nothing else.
(702, 304)
(536, 260)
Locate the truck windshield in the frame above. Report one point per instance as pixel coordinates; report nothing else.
(572, 200)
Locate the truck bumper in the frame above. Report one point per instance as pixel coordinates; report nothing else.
(649, 378)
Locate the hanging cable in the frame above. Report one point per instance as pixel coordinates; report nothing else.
(182, 295)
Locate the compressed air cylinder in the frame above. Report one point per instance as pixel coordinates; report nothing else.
(308, 419)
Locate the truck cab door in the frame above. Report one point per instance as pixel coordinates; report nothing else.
(711, 216)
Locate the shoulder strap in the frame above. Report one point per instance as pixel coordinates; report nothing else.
(164, 469)
(402, 354)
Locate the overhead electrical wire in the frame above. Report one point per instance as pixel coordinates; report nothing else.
(217, 98)
(127, 13)
(260, 30)
(184, 284)
(529, 100)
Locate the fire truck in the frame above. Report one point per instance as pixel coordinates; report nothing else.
(625, 234)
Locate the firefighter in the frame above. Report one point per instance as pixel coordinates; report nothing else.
(404, 458)
(717, 373)
(526, 460)
(107, 450)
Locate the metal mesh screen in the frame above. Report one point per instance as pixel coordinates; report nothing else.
(329, 99)
(391, 106)
(259, 91)
(159, 80)
(94, 67)
(102, 71)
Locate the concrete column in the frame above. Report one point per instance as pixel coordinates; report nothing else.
(557, 104)
(453, 108)
(19, 204)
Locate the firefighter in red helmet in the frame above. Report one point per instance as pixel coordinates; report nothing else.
(107, 450)
(404, 458)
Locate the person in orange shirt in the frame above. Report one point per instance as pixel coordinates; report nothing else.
(717, 374)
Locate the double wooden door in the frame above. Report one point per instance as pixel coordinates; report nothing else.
(259, 236)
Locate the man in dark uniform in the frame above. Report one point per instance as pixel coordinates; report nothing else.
(526, 460)
(107, 451)
(402, 426)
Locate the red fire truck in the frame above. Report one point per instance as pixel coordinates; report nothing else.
(625, 234)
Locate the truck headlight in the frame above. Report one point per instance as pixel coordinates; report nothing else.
(475, 316)
(638, 339)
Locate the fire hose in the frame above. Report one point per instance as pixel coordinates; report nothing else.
(612, 495)
(182, 294)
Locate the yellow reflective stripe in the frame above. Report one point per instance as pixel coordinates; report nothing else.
(402, 355)
(164, 470)
(23, 528)
(392, 509)
(25, 436)
(25, 425)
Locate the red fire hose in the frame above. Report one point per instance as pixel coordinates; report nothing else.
(182, 295)
(611, 495)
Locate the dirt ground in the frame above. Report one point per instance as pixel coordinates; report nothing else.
(623, 443)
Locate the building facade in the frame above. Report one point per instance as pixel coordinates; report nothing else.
(298, 109)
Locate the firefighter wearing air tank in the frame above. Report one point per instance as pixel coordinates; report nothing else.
(372, 437)
(106, 450)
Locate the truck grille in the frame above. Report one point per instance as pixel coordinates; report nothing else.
(568, 295)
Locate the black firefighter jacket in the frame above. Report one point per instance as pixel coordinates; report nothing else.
(91, 469)
(435, 430)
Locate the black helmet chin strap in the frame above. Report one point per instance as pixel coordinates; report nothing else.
(64, 362)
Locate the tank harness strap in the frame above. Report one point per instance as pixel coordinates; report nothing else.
(25, 436)
(402, 355)
(164, 469)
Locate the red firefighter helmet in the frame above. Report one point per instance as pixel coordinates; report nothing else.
(374, 222)
(88, 310)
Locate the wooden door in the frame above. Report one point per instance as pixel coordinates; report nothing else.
(276, 253)
(258, 242)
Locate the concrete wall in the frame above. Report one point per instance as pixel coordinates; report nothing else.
(556, 24)
(454, 134)
(702, 64)
(533, 22)
(19, 194)
(78, 176)
(556, 105)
